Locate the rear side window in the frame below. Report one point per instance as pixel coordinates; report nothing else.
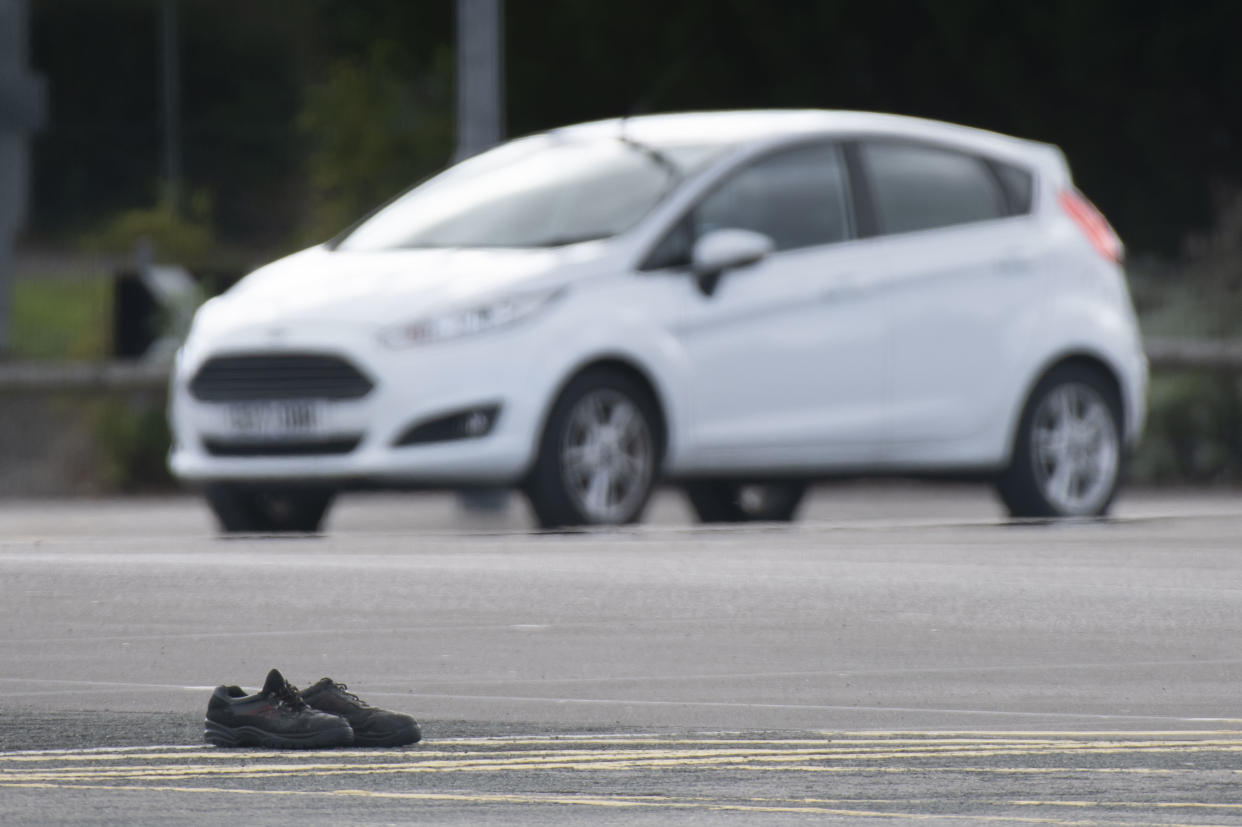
(1019, 187)
(919, 187)
(798, 197)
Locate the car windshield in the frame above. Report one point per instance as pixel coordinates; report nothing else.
(542, 191)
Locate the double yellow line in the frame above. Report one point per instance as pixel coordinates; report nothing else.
(203, 770)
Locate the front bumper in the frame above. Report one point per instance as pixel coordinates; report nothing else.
(411, 386)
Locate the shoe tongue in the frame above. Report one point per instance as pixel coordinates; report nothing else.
(275, 683)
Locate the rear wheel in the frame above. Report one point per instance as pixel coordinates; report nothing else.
(599, 455)
(733, 502)
(252, 510)
(1067, 457)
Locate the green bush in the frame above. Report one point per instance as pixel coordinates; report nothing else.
(132, 438)
(174, 236)
(1194, 430)
(375, 126)
(1194, 427)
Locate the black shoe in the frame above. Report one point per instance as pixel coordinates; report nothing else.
(372, 727)
(277, 717)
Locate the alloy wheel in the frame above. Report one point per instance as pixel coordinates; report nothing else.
(1075, 449)
(607, 456)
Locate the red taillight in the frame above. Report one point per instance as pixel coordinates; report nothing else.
(1093, 223)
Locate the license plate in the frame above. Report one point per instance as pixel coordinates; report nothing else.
(275, 419)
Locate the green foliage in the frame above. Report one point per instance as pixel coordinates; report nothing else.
(133, 440)
(374, 129)
(1194, 426)
(176, 237)
(62, 318)
(1200, 294)
(1193, 433)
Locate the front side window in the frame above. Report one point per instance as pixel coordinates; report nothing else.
(535, 192)
(918, 187)
(798, 197)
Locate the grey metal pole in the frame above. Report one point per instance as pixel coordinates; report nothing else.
(480, 76)
(22, 103)
(480, 125)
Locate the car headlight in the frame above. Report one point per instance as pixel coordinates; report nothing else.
(499, 312)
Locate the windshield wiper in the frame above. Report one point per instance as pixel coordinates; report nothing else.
(660, 158)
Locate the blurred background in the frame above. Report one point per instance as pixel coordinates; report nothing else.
(153, 151)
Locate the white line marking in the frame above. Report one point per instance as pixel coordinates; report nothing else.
(615, 679)
(1086, 716)
(87, 687)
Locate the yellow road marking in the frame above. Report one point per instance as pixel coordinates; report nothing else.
(166, 769)
(807, 806)
(836, 746)
(881, 741)
(722, 753)
(792, 759)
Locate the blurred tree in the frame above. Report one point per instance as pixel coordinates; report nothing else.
(243, 67)
(373, 129)
(1139, 93)
(183, 235)
(100, 140)
(239, 94)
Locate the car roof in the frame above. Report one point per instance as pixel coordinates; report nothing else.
(763, 125)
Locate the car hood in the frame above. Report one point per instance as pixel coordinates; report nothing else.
(386, 287)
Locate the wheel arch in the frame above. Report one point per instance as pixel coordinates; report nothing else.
(625, 366)
(1076, 358)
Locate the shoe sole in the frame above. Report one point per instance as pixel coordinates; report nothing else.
(396, 738)
(247, 736)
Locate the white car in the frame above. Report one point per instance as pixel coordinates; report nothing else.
(737, 303)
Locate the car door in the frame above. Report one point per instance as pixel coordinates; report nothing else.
(786, 356)
(955, 262)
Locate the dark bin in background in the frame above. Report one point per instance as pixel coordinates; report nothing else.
(141, 317)
(136, 322)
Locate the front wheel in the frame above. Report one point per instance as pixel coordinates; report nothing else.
(1067, 456)
(599, 455)
(250, 510)
(732, 502)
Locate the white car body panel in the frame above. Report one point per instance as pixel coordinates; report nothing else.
(753, 345)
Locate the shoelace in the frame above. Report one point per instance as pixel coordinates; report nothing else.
(289, 696)
(344, 690)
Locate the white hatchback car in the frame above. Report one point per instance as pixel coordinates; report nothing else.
(737, 303)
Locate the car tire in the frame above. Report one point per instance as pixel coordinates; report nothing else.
(734, 502)
(599, 455)
(1067, 458)
(248, 510)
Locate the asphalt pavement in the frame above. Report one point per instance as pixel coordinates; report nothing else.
(901, 653)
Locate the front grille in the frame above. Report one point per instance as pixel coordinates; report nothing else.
(278, 376)
(281, 448)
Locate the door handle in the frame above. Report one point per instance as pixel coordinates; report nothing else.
(840, 287)
(1015, 263)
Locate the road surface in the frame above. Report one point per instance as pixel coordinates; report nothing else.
(902, 653)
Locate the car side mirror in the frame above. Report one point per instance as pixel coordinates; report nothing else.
(722, 250)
